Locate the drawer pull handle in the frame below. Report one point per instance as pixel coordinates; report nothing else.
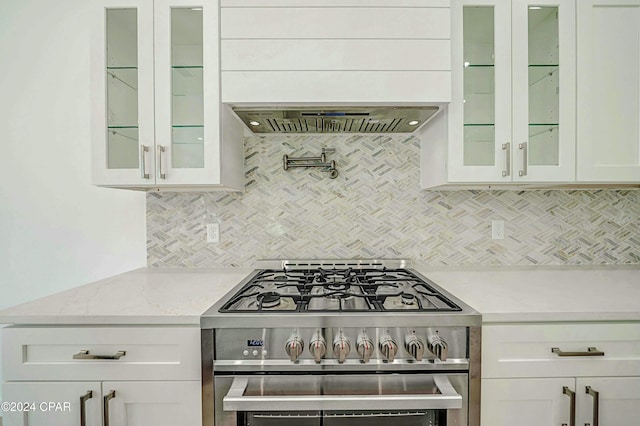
(86, 355)
(105, 406)
(591, 351)
(572, 408)
(596, 403)
(83, 408)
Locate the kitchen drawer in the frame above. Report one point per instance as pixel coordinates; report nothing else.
(335, 23)
(150, 353)
(525, 350)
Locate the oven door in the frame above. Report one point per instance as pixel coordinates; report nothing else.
(341, 399)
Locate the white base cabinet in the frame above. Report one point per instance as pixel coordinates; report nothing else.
(133, 403)
(101, 376)
(525, 402)
(541, 402)
(531, 373)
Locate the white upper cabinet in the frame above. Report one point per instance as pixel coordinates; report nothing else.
(123, 90)
(609, 90)
(512, 116)
(311, 52)
(158, 121)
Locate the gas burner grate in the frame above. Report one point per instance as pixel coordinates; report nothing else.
(343, 289)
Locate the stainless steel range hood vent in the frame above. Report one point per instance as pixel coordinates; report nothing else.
(336, 120)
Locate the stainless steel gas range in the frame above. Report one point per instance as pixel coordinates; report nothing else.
(337, 343)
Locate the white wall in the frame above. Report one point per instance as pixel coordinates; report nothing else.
(56, 230)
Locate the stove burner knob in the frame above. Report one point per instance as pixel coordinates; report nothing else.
(294, 347)
(415, 346)
(317, 346)
(388, 347)
(341, 347)
(437, 345)
(365, 346)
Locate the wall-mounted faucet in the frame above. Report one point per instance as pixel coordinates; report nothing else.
(321, 161)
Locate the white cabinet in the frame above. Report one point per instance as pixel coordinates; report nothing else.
(532, 372)
(313, 52)
(547, 402)
(127, 403)
(525, 402)
(66, 397)
(135, 376)
(608, 54)
(157, 117)
(512, 115)
(617, 400)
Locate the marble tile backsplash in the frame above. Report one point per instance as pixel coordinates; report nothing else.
(376, 209)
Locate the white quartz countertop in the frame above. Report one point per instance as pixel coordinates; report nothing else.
(142, 296)
(500, 294)
(545, 293)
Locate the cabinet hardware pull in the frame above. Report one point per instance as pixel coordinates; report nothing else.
(161, 149)
(523, 147)
(86, 355)
(591, 351)
(105, 406)
(596, 403)
(572, 407)
(143, 161)
(506, 147)
(83, 408)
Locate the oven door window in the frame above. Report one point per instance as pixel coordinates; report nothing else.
(345, 418)
(276, 418)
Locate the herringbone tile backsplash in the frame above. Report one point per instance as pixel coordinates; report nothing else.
(376, 209)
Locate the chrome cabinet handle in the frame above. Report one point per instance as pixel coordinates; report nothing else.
(572, 406)
(86, 355)
(591, 351)
(161, 150)
(83, 408)
(523, 148)
(105, 406)
(143, 161)
(506, 147)
(596, 404)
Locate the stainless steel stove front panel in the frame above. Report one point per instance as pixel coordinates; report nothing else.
(260, 346)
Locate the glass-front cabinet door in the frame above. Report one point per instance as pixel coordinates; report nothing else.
(122, 81)
(157, 121)
(544, 72)
(512, 117)
(480, 111)
(187, 92)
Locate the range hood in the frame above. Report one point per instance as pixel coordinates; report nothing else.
(335, 119)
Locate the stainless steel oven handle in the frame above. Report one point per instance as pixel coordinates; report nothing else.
(236, 401)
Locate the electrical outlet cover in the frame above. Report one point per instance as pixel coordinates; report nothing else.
(213, 232)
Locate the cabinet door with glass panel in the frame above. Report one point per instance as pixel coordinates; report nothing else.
(510, 122)
(123, 93)
(544, 94)
(187, 93)
(158, 121)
